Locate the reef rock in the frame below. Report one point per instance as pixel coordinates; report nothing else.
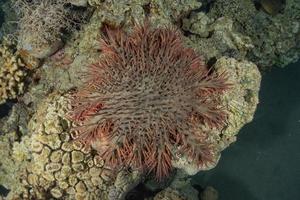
(214, 38)
(273, 27)
(240, 101)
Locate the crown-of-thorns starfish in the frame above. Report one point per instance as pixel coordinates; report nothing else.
(146, 96)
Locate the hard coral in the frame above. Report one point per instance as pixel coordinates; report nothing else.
(147, 96)
(47, 164)
(12, 72)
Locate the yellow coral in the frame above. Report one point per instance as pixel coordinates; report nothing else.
(12, 73)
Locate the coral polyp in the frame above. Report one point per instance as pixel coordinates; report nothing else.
(146, 97)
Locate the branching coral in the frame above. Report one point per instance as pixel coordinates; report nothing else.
(12, 73)
(147, 95)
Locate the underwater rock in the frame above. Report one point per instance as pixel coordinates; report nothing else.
(41, 50)
(275, 37)
(116, 13)
(241, 102)
(240, 12)
(182, 183)
(127, 13)
(215, 38)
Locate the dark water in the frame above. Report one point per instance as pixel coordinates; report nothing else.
(264, 163)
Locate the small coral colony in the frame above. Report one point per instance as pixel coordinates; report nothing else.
(147, 97)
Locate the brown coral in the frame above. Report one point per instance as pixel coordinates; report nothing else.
(147, 96)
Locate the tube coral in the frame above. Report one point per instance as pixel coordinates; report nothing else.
(146, 97)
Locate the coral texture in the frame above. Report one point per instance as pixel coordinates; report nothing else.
(8, 166)
(53, 166)
(240, 102)
(147, 95)
(215, 38)
(41, 24)
(274, 30)
(12, 72)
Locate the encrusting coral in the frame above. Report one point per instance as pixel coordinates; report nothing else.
(147, 95)
(12, 72)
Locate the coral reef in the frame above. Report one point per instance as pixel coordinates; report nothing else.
(275, 37)
(160, 12)
(41, 25)
(125, 13)
(215, 38)
(171, 12)
(147, 95)
(116, 13)
(239, 12)
(58, 167)
(240, 102)
(45, 161)
(182, 183)
(85, 45)
(279, 41)
(12, 72)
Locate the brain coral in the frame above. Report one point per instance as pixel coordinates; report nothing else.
(147, 95)
(55, 167)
